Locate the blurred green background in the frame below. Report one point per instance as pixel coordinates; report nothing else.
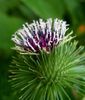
(13, 13)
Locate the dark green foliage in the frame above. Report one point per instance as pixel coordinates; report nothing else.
(48, 76)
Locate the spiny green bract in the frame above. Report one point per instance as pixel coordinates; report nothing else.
(47, 76)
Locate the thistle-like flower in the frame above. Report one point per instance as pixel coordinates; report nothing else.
(40, 35)
(47, 76)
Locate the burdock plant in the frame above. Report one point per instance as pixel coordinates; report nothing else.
(47, 62)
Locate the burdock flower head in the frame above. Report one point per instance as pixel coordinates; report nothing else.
(40, 35)
(54, 66)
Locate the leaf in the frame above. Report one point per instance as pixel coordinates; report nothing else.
(27, 13)
(7, 27)
(7, 4)
(46, 8)
(72, 7)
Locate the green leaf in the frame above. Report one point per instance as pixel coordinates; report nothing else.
(8, 4)
(7, 27)
(72, 8)
(46, 8)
